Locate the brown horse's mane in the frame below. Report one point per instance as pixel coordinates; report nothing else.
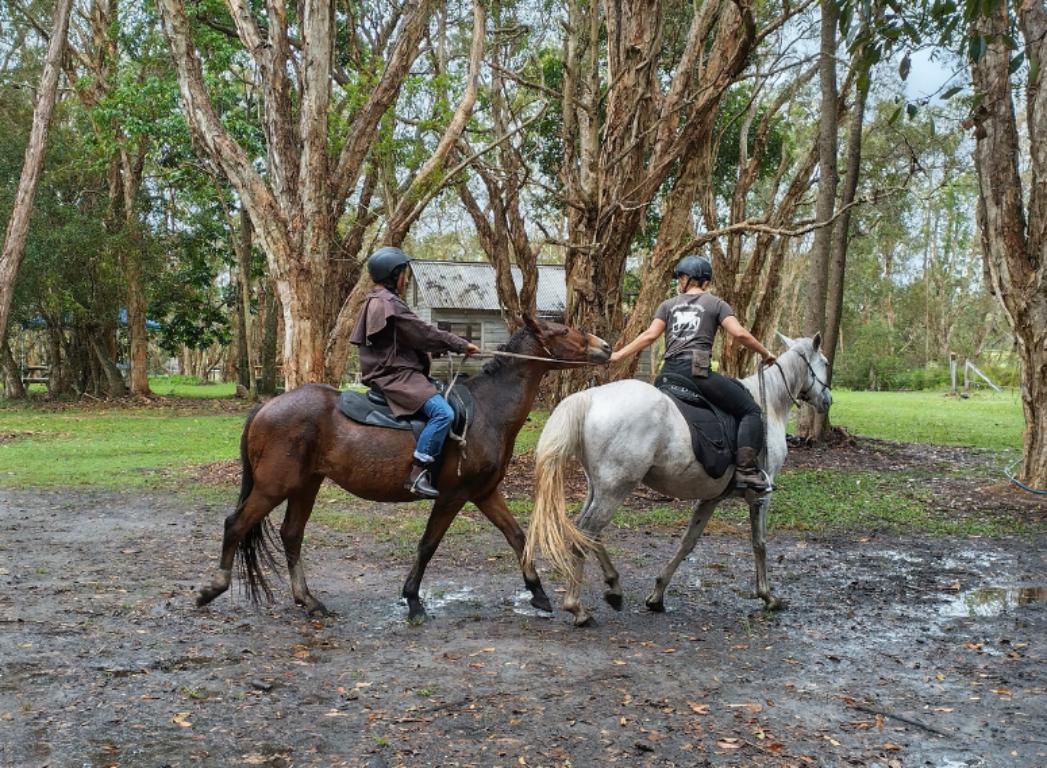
(517, 343)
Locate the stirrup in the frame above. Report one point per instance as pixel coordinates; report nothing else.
(760, 487)
(421, 485)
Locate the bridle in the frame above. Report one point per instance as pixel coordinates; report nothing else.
(805, 393)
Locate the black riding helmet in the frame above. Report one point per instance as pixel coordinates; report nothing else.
(695, 267)
(385, 264)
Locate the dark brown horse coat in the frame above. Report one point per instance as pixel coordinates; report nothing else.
(297, 439)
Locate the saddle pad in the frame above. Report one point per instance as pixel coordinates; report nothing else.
(714, 432)
(359, 408)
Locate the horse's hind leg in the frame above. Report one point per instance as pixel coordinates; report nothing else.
(758, 525)
(254, 509)
(494, 509)
(440, 518)
(299, 508)
(613, 593)
(703, 510)
(594, 518)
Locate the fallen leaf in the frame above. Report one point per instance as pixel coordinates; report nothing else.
(751, 706)
(698, 709)
(891, 746)
(1001, 691)
(729, 743)
(182, 719)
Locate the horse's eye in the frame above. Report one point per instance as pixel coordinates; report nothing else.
(565, 331)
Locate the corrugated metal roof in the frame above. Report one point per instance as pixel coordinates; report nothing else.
(471, 285)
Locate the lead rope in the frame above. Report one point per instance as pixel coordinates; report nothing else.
(460, 439)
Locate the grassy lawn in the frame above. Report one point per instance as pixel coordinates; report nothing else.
(985, 420)
(155, 446)
(190, 386)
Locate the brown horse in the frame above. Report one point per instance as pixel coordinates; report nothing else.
(295, 440)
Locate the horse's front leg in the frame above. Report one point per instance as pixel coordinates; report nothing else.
(758, 525)
(443, 513)
(703, 510)
(495, 509)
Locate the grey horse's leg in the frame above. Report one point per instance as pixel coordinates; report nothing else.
(758, 525)
(594, 519)
(703, 510)
(613, 594)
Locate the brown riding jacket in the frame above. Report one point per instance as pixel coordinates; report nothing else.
(394, 345)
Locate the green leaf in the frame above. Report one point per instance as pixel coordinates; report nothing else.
(951, 92)
(1016, 62)
(904, 67)
(911, 110)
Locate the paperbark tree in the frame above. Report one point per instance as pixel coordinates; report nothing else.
(18, 225)
(817, 284)
(622, 136)
(1013, 233)
(298, 208)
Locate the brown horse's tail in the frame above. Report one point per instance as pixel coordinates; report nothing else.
(255, 550)
(551, 530)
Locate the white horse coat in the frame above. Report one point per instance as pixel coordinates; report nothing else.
(627, 433)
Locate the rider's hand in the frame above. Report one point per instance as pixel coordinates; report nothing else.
(615, 356)
(471, 349)
(769, 359)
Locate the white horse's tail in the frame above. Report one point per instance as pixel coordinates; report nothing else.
(551, 530)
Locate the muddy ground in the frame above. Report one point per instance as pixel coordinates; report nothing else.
(894, 651)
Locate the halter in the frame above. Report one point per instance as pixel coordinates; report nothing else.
(806, 391)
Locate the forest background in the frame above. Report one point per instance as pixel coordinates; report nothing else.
(215, 175)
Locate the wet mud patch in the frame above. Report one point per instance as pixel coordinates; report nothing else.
(105, 661)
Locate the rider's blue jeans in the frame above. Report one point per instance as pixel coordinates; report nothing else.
(439, 417)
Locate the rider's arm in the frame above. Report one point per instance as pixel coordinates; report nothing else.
(734, 329)
(413, 332)
(643, 341)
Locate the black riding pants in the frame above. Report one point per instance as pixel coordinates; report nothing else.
(730, 395)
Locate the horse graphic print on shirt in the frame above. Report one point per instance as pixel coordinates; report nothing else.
(691, 321)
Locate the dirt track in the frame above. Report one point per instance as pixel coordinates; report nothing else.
(882, 658)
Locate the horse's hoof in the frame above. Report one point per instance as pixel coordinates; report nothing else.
(416, 614)
(775, 604)
(585, 621)
(655, 606)
(316, 608)
(613, 599)
(205, 596)
(542, 603)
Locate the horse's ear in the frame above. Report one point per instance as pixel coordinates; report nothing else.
(816, 341)
(531, 323)
(785, 339)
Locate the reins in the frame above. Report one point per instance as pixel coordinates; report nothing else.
(461, 439)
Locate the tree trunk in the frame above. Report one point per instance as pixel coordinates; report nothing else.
(1015, 253)
(18, 224)
(115, 386)
(814, 320)
(841, 242)
(137, 333)
(13, 388)
(267, 353)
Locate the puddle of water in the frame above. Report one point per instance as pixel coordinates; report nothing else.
(967, 558)
(992, 601)
(522, 605)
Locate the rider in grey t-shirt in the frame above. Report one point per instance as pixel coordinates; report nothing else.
(691, 321)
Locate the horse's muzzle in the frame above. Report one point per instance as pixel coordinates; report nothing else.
(599, 350)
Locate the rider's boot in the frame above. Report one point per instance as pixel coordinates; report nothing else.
(420, 483)
(747, 475)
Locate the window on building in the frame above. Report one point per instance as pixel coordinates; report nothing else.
(471, 332)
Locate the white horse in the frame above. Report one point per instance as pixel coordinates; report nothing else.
(626, 433)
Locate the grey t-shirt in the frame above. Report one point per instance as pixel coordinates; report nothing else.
(691, 320)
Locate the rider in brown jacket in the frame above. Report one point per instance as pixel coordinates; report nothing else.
(394, 357)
